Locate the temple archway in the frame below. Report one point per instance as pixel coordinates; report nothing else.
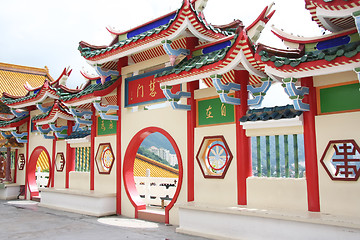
(38, 162)
(128, 170)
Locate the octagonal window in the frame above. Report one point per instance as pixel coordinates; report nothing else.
(341, 160)
(60, 162)
(214, 157)
(104, 158)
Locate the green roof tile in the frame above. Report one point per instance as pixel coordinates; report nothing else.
(14, 120)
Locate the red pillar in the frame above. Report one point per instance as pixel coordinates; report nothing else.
(92, 149)
(16, 165)
(70, 156)
(8, 165)
(53, 162)
(27, 158)
(191, 43)
(312, 178)
(121, 63)
(243, 154)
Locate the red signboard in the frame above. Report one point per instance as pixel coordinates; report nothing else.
(143, 89)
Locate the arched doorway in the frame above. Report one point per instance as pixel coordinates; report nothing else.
(128, 170)
(38, 162)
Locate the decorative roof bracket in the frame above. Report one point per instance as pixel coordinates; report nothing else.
(173, 54)
(174, 98)
(81, 117)
(357, 70)
(19, 114)
(105, 73)
(20, 137)
(75, 127)
(260, 92)
(224, 89)
(83, 121)
(103, 110)
(296, 94)
(58, 130)
(43, 109)
(44, 132)
(6, 135)
(356, 16)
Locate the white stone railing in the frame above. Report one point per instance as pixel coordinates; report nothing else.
(42, 179)
(152, 189)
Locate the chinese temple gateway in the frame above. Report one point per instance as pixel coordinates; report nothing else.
(291, 170)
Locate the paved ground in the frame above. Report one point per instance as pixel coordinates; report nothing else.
(25, 220)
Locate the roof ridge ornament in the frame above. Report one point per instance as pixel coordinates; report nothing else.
(255, 29)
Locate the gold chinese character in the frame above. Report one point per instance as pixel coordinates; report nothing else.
(223, 110)
(140, 89)
(152, 88)
(111, 125)
(208, 112)
(103, 125)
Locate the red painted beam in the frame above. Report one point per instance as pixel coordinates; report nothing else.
(121, 63)
(53, 163)
(311, 166)
(92, 149)
(243, 153)
(27, 157)
(16, 165)
(70, 156)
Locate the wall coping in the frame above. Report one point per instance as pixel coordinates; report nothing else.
(88, 193)
(296, 216)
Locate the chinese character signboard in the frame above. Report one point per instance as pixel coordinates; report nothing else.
(143, 89)
(212, 111)
(341, 160)
(105, 127)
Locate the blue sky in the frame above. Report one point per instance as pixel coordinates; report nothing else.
(39, 32)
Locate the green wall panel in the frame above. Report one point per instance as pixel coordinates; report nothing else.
(340, 98)
(213, 111)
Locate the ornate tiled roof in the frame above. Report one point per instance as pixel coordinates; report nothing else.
(79, 134)
(333, 15)
(270, 113)
(89, 89)
(159, 31)
(10, 100)
(330, 54)
(13, 77)
(58, 107)
(9, 123)
(196, 62)
(157, 169)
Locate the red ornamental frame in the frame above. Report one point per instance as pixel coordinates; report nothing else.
(128, 170)
(104, 148)
(60, 166)
(21, 161)
(203, 157)
(327, 157)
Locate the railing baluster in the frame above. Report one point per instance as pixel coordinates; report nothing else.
(268, 167)
(258, 155)
(277, 150)
(286, 150)
(296, 156)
